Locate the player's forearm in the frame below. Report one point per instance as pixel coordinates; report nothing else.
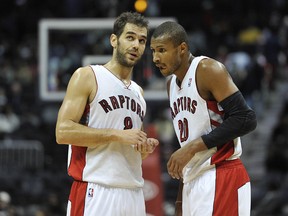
(195, 146)
(80, 135)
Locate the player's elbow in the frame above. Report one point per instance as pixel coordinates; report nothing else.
(60, 134)
(251, 122)
(59, 137)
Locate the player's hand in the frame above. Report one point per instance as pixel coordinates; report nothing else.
(132, 137)
(147, 147)
(177, 162)
(182, 156)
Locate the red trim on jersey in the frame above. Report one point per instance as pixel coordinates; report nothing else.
(215, 113)
(78, 156)
(77, 198)
(213, 106)
(230, 176)
(85, 116)
(214, 123)
(227, 150)
(78, 162)
(223, 153)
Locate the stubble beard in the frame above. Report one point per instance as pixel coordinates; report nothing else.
(122, 59)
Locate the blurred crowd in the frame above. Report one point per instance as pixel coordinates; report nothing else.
(249, 37)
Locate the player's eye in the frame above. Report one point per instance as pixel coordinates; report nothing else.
(130, 37)
(142, 41)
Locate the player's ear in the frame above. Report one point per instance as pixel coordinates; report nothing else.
(113, 40)
(183, 47)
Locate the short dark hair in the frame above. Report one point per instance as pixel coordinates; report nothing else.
(129, 17)
(174, 31)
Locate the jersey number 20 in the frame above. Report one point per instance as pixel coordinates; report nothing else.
(183, 128)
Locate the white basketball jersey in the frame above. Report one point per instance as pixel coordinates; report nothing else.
(193, 117)
(114, 106)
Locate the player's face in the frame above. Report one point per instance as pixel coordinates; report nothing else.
(166, 55)
(131, 45)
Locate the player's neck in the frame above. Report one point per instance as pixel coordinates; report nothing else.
(185, 68)
(190, 59)
(122, 74)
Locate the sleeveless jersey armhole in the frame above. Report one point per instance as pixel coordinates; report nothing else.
(196, 66)
(96, 83)
(168, 85)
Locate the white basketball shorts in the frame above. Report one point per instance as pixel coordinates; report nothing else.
(222, 191)
(89, 199)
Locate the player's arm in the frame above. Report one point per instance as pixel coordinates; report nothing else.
(80, 91)
(217, 84)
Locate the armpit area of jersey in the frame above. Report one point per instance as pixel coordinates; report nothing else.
(239, 119)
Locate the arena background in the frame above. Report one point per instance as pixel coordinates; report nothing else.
(249, 37)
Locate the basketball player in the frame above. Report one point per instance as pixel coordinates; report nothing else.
(101, 118)
(209, 115)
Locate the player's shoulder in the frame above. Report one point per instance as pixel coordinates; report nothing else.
(210, 65)
(83, 76)
(85, 72)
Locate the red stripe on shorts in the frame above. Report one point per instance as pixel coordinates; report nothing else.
(230, 176)
(77, 198)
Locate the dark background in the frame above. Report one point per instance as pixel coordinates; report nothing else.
(249, 37)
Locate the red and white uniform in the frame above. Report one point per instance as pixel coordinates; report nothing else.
(192, 117)
(114, 165)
